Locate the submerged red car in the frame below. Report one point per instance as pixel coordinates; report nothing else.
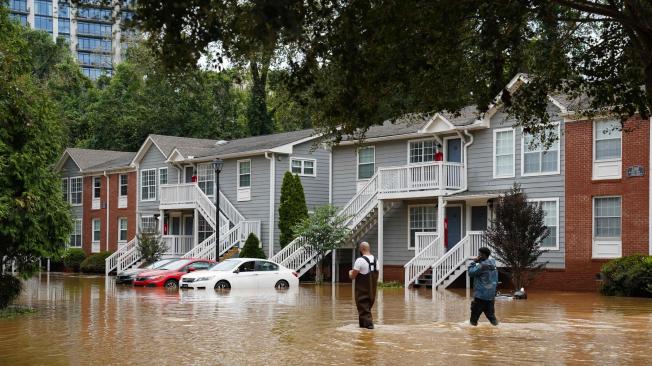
(168, 276)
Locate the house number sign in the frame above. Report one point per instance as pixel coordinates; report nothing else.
(635, 171)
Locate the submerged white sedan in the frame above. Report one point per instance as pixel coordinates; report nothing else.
(242, 273)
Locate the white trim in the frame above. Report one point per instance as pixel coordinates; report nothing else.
(357, 165)
(432, 126)
(495, 132)
(437, 220)
(81, 233)
(98, 241)
(303, 160)
(409, 143)
(288, 148)
(613, 163)
(120, 184)
(243, 193)
(81, 192)
(615, 241)
(556, 201)
(143, 150)
(556, 172)
(62, 160)
(272, 195)
(140, 184)
(445, 147)
(119, 230)
(158, 179)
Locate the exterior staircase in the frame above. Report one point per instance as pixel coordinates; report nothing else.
(451, 265)
(362, 215)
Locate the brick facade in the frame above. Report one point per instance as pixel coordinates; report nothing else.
(581, 270)
(114, 212)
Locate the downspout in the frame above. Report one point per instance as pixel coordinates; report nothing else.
(649, 214)
(108, 206)
(137, 223)
(272, 193)
(330, 176)
(466, 161)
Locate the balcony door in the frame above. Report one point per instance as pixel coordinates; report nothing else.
(453, 151)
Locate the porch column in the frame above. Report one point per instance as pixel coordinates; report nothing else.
(161, 222)
(333, 265)
(381, 229)
(441, 214)
(195, 228)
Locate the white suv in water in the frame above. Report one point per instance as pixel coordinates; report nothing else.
(242, 273)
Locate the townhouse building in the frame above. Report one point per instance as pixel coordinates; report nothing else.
(100, 186)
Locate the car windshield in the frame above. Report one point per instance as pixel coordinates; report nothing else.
(159, 263)
(175, 265)
(227, 265)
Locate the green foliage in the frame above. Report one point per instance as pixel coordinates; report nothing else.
(10, 288)
(13, 311)
(628, 276)
(292, 208)
(251, 248)
(35, 221)
(73, 258)
(515, 235)
(95, 263)
(390, 284)
(151, 246)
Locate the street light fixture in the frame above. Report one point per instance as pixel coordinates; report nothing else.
(217, 166)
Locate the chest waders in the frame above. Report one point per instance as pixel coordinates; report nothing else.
(365, 293)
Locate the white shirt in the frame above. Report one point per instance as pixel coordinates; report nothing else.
(362, 266)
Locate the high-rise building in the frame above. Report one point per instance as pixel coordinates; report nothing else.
(93, 28)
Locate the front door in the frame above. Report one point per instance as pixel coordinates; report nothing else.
(454, 217)
(189, 172)
(478, 218)
(454, 150)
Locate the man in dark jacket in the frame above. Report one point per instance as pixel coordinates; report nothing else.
(485, 278)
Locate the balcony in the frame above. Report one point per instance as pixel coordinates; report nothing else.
(421, 180)
(178, 245)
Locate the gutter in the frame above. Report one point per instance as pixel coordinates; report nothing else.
(272, 193)
(108, 206)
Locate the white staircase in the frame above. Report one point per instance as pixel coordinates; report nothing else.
(125, 257)
(426, 255)
(361, 213)
(455, 261)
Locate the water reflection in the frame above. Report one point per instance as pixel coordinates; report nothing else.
(89, 320)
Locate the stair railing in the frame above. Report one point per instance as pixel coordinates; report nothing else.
(112, 261)
(423, 260)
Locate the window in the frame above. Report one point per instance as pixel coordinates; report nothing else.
(20, 18)
(64, 10)
(18, 5)
(76, 234)
(96, 230)
(97, 187)
(64, 26)
(421, 218)
(608, 137)
(147, 224)
(206, 179)
(94, 59)
(265, 266)
(76, 191)
(200, 265)
(43, 23)
(94, 73)
(303, 166)
(244, 173)
(366, 162)
(163, 176)
(536, 158)
(204, 230)
(247, 266)
(64, 189)
(607, 218)
(94, 13)
(551, 220)
(94, 44)
(43, 7)
(148, 185)
(124, 185)
(122, 229)
(504, 153)
(94, 29)
(422, 151)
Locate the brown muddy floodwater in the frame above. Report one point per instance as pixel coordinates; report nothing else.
(84, 320)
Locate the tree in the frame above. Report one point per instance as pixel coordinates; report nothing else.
(323, 231)
(151, 246)
(251, 248)
(250, 33)
(292, 208)
(515, 235)
(35, 221)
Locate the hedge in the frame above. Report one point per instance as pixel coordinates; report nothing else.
(95, 263)
(73, 258)
(628, 276)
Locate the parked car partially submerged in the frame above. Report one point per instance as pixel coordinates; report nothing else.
(169, 274)
(242, 273)
(129, 275)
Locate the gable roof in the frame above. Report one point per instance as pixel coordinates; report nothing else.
(94, 160)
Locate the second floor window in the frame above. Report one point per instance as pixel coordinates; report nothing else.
(366, 162)
(124, 184)
(163, 176)
(422, 151)
(303, 166)
(43, 23)
(64, 188)
(206, 178)
(148, 185)
(608, 139)
(536, 158)
(97, 187)
(504, 153)
(76, 185)
(244, 174)
(43, 7)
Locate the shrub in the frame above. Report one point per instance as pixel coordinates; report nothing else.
(252, 248)
(292, 208)
(73, 258)
(151, 246)
(628, 276)
(95, 263)
(10, 288)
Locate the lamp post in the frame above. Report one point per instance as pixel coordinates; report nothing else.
(217, 166)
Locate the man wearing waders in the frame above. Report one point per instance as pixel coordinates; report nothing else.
(485, 278)
(365, 274)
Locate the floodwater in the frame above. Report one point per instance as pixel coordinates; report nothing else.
(87, 320)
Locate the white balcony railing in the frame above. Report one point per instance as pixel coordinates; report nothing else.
(422, 177)
(178, 244)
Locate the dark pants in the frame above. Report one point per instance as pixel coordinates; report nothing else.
(365, 296)
(479, 306)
